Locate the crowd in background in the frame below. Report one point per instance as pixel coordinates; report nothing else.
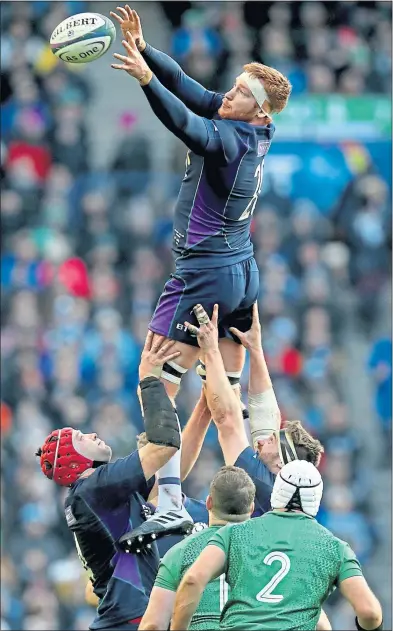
(85, 256)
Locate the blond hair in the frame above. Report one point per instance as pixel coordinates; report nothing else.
(277, 87)
(307, 447)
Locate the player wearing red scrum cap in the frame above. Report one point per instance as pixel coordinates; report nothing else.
(105, 499)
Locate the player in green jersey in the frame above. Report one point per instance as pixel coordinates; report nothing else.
(231, 500)
(280, 567)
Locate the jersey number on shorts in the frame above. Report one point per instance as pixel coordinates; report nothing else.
(223, 591)
(253, 201)
(265, 595)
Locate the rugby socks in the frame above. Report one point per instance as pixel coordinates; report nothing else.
(169, 485)
(233, 377)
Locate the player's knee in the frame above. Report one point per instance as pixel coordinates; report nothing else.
(233, 377)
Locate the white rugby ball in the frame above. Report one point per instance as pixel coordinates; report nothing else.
(82, 38)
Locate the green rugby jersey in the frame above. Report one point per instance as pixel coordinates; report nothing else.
(280, 568)
(175, 564)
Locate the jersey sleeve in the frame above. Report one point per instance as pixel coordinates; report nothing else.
(260, 475)
(218, 139)
(200, 101)
(115, 482)
(168, 576)
(350, 566)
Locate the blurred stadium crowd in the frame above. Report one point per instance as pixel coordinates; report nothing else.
(85, 255)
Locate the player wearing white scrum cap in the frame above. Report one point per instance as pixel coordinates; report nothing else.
(298, 486)
(280, 567)
(272, 447)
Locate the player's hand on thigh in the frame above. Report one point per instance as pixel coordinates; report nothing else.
(129, 21)
(157, 351)
(251, 339)
(207, 333)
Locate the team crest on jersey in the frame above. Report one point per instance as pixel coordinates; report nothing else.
(69, 516)
(263, 147)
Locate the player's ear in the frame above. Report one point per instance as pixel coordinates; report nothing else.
(252, 508)
(209, 503)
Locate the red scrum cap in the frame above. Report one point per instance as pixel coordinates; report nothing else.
(59, 459)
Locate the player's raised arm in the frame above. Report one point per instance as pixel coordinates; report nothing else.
(265, 416)
(194, 434)
(200, 101)
(223, 403)
(201, 135)
(209, 565)
(116, 481)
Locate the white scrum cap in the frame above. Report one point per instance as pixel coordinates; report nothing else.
(298, 486)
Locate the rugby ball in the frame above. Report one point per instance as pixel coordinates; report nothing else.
(82, 38)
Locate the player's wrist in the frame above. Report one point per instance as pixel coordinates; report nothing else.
(256, 349)
(141, 45)
(360, 628)
(145, 78)
(212, 352)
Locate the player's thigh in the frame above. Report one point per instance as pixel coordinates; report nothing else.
(187, 358)
(233, 355)
(175, 306)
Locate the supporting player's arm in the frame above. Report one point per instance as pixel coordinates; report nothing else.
(203, 136)
(323, 623)
(367, 609)
(162, 598)
(201, 101)
(353, 586)
(223, 403)
(194, 434)
(115, 482)
(159, 610)
(265, 416)
(209, 565)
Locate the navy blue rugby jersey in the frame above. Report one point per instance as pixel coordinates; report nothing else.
(99, 509)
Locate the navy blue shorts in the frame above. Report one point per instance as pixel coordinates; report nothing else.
(234, 288)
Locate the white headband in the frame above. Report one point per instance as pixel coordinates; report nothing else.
(256, 88)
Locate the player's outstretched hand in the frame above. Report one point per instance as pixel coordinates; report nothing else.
(157, 350)
(207, 334)
(129, 21)
(251, 339)
(133, 62)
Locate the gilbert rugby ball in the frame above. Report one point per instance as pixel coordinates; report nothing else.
(82, 38)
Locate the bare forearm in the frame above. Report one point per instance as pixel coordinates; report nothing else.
(265, 416)
(187, 600)
(259, 380)
(194, 435)
(323, 623)
(221, 398)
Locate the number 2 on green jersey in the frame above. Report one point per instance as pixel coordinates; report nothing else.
(265, 595)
